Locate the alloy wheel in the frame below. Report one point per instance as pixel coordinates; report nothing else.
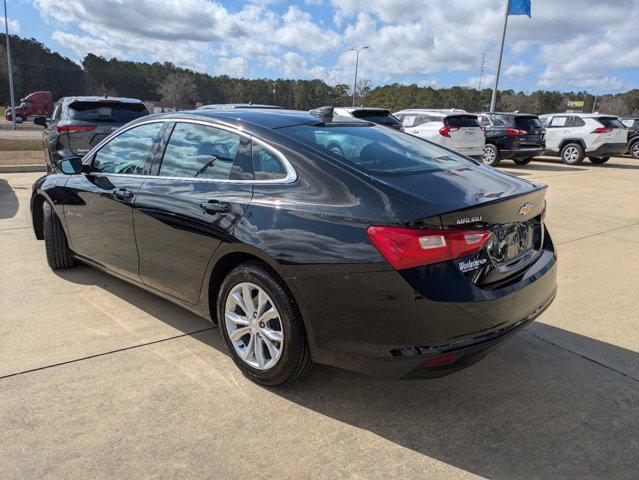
(571, 154)
(254, 326)
(490, 154)
(635, 150)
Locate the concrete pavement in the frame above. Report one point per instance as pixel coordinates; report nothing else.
(99, 379)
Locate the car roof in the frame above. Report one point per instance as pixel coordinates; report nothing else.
(443, 112)
(508, 114)
(364, 109)
(268, 118)
(68, 100)
(229, 106)
(582, 115)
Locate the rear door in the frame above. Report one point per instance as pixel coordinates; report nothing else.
(100, 218)
(89, 122)
(200, 186)
(466, 134)
(556, 130)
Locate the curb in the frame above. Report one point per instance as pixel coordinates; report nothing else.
(22, 168)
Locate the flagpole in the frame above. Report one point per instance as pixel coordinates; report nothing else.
(10, 66)
(493, 101)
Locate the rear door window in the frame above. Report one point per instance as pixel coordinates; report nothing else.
(204, 152)
(109, 112)
(266, 164)
(557, 122)
(462, 121)
(128, 152)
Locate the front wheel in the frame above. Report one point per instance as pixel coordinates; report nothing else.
(572, 154)
(523, 161)
(598, 161)
(59, 255)
(491, 155)
(262, 326)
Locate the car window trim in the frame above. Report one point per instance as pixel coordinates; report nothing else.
(291, 174)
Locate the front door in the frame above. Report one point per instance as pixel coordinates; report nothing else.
(100, 214)
(200, 188)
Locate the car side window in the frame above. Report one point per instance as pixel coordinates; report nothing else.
(266, 164)
(484, 121)
(577, 122)
(204, 152)
(557, 122)
(128, 152)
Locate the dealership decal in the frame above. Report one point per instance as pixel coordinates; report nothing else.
(471, 265)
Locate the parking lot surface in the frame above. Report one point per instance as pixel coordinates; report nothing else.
(99, 379)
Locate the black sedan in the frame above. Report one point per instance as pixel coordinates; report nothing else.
(518, 136)
(395, 257)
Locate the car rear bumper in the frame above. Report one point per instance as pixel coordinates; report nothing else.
(608, 150)
(389, 323)
(523, 152)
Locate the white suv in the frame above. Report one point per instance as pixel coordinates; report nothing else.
(574, 136)
(455, 129)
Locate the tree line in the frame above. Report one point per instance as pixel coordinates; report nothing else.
(36, 67)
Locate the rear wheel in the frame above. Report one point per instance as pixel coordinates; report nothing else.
(634, 150)
(572, 154)
(598, 161)
(491, 155)
(59, 255)
(523, 161)
(262, 326)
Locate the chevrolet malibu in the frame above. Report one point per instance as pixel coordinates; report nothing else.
(389, 256)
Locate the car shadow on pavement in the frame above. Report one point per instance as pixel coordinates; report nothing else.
(9, 200)
(542, 166)
(531, 409)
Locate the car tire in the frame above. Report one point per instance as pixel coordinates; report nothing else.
(278, 365)
(523, 161)
(598, 161)
(634, 150)
(572, 154)
(491, 155)
(59, 255)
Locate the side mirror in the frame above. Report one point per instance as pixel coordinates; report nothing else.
(42, 121)
(71, 166)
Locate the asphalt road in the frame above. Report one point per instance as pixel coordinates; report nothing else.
(99, 379)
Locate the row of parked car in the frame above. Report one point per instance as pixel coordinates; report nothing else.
(494, 136)
(79, 123)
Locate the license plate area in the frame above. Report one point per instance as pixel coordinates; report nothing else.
(511, 243)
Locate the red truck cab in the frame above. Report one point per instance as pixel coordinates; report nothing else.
(37, 104)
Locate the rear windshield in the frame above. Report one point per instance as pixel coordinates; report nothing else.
(528, 123)
(381, 117)
(462, 121)
(106, 111)
(610, 122)
(375, 149)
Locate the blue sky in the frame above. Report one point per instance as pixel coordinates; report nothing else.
(567, 45)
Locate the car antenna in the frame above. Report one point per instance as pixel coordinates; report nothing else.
(324, 113)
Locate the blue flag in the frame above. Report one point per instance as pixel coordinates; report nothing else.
(519, 7)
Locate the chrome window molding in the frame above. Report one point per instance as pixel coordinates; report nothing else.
(291, 174)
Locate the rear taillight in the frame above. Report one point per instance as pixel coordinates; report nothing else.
(445, 131)
(515, 132)
(602, 130)
(74, 128)
(411, 247)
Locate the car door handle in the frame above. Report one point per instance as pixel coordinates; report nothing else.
(123, 194)
(213, 206)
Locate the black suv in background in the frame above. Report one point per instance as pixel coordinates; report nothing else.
(79, 123)
(632, 123)
(512, 135)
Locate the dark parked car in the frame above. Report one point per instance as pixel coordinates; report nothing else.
(632, 123)
(79, 123)
(512, 135)
(399, 258)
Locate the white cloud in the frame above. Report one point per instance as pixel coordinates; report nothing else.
(14, 26)
(517, 69)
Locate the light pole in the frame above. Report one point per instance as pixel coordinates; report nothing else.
(356, 50)
(10, 66)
